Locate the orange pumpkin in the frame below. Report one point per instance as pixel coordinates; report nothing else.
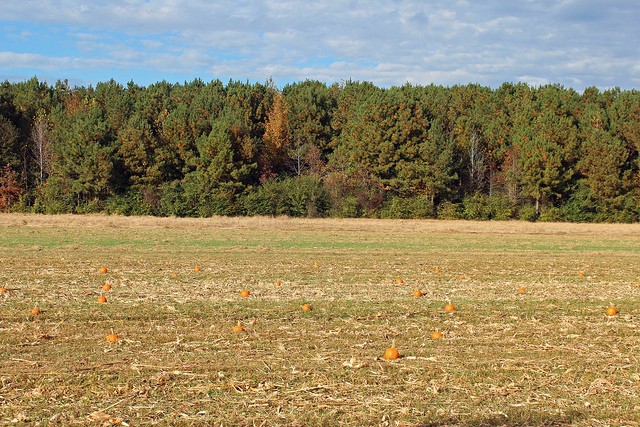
(103, 270)
(437, 271)
(399, 281)
(417, 294)
(112, 337)
(449, 307)
(611, 311)
(174, 275)
(35, 311)
(196, 269)
(306, 307)
(102, 299)
(3, 290)
(316, 265)
(436, 335)
(106, 287)
(391, 353)
(244, 293)
(238, 328)
(581, 274)
(521, 290)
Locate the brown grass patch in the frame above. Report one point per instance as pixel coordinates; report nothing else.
(548, 356)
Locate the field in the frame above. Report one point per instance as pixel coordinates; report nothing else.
(528, 343)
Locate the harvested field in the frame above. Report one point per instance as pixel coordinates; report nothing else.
(528, 343)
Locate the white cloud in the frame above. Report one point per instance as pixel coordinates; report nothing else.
(13, 60)
(384, 41)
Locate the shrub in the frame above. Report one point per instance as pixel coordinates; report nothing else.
(551, 214)
(413, 208)
(527, 213)
(449, 210)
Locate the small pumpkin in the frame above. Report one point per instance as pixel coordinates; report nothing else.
(306, 307)
(391, 353)
(581, 274)
(3, 290)
(417, 293)
(449, 307)
(238, 328)
(112, 337)
(35, 311)
(102, 299)
(611, 311)
(437, 271)
(196, 269)
(436, 335)
(106, 287)
(316, 265)
(277, 283)
(103, 270)
(521, 290)
(244, 293)
(398, 281)
(174, 275)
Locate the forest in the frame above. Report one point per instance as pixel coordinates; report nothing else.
(310, 149)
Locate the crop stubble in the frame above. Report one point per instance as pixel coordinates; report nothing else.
(546, 356)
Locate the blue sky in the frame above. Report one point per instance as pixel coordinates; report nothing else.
(575, 43)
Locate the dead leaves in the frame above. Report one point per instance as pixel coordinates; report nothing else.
(105, 419)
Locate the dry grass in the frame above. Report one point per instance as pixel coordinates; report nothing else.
(546, 356)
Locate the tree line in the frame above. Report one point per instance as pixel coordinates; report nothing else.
(349, 149)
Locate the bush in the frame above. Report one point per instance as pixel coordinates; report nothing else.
(177, 200)
(527, 213)
(475, 207)
(551, 214)
(414, 208)
(500, 208)
(302, 196)
(349, 207)
(449, 210)
(218, 201)
(133, 202)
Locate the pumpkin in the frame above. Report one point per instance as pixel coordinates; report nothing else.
(449, 307)
(417, 293)
(102, 299)
(306, 307)
(316, 265)
(238, 328)
(112, 337)
(103, 270)
(391, 353)
(174, 275)
(196, 269)
(611, 311)
(3, 289)
(106, 287)
(437, 271)
(581, 274)
(244, 293)
(277, 283)
(521, 290)
(436, 335)
(35, 311)
(399, 281)
(462, 277)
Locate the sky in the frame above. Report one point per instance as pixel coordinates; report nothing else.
(574, 43)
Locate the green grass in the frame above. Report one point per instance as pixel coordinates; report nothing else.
(548, 356)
